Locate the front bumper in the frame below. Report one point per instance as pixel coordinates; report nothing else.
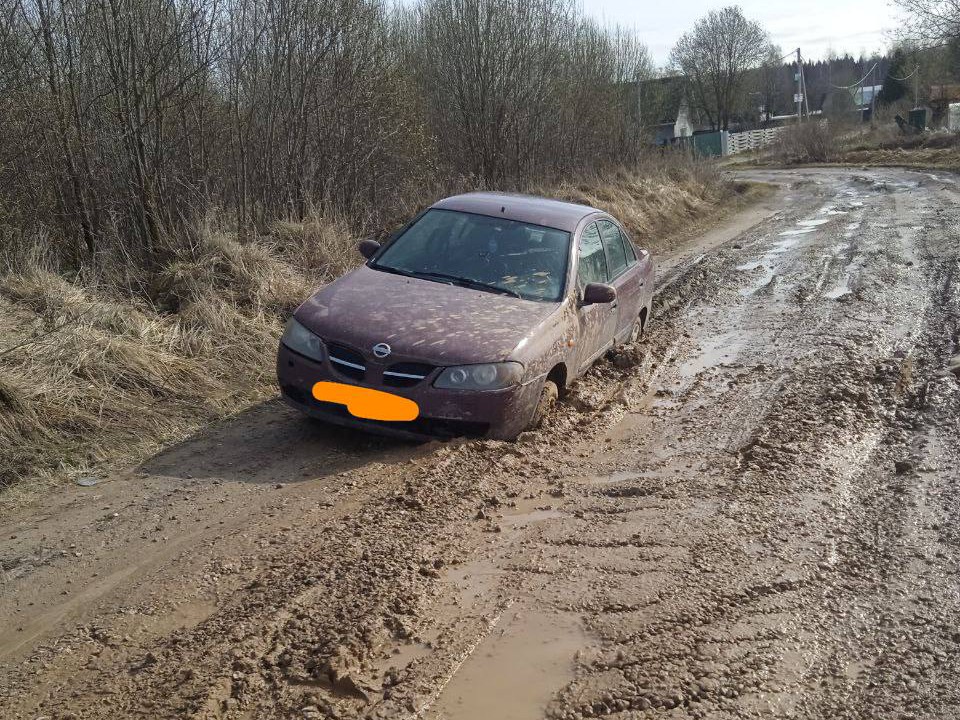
(500, 414)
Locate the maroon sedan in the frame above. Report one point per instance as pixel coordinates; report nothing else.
(469, 321)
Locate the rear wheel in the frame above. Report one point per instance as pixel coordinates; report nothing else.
(548, 398)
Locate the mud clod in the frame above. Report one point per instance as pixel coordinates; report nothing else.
(904, 467)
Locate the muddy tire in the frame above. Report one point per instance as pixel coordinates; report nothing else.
(636, 332)
(548, 398)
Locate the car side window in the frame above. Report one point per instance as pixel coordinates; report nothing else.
(628, 246)
(593, 263)
(613, 244)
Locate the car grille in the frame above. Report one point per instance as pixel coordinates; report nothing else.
(406, 374)
(352, 364)
(347, 362)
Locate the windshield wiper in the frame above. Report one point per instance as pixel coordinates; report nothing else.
(449, 279)
(469, 282)
(395, 271)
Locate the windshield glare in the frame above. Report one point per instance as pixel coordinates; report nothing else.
(518, 258)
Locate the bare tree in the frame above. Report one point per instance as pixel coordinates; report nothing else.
(125, 124)
(716, 56)
(520, 88)
(930, 22)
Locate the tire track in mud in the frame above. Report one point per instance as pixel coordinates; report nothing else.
(900, 556)
(316, 603)
(756, 621)
(700, 519)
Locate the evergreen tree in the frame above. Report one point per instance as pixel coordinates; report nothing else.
(893, 88)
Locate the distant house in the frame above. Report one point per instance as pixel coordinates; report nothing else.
(944, 94)
(865, 95)
(859, 99)
(941, 98)
(665, 108)
(683, 127)
(680, 126)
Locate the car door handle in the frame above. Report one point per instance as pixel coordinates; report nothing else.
(613, 306)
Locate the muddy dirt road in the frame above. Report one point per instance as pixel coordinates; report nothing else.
(752, 515)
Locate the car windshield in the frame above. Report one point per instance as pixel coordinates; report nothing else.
(481, 252)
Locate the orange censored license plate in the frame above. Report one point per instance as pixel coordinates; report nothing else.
(367, 403)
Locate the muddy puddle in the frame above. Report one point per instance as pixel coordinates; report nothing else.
(515, 671)
(515, 520)
(617, 476)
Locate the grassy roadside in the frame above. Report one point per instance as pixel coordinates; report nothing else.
(93, 377)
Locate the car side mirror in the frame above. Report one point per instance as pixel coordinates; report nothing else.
(595, 293)
(368, 248)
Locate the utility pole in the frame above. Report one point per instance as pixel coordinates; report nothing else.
(799, 97)
(803, 90)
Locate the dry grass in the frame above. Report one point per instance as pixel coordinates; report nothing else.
(887, 145)
(671, 192)
(90, 375)
(881, 144)
(93, 376)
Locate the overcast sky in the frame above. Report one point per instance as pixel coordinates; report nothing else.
(815, 26)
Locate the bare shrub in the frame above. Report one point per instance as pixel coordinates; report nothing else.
(514, 106)
(159, 114)
(806, 142)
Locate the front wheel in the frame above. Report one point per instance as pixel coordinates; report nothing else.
(548, 398)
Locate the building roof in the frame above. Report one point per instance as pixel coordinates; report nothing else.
(523, 208)
(946, 92)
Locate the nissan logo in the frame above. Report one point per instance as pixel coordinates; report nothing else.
(381, 350)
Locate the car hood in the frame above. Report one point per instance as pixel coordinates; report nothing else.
(423, 320)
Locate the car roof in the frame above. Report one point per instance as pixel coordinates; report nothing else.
(523, 208)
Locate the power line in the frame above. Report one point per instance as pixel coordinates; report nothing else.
(858, 83)
(789, 55)
(904, 78)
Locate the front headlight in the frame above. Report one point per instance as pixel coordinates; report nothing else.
(300, 340)
(488, 376)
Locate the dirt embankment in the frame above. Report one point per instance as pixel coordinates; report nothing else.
(891, 147)
(753, 515)
(932, 158)
(99, 373)
(819, 144)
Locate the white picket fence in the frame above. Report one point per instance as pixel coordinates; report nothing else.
(752, 139)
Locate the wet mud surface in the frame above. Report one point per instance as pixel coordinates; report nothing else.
(752, 514)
